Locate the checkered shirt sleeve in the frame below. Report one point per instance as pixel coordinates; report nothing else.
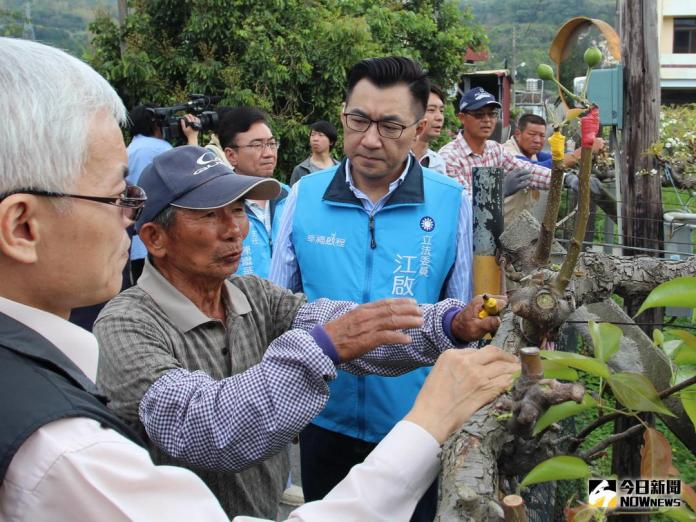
(460, 163)
(230, 424)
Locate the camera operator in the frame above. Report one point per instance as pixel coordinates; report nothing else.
(147, 143)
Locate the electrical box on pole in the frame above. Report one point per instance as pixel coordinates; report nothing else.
(606, 90)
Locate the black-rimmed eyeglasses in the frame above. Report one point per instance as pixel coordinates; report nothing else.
(385, 128)
(131, 201)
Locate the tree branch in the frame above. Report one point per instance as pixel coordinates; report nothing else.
(548, 226)
(587, 455)
(572, 448)
(566, 272)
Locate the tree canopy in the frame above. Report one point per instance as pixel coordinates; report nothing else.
(56, 22)
(288, 57)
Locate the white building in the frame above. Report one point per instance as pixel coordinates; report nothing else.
(677, 46)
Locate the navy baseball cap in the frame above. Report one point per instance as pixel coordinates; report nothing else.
(476, 98)
(194, 177)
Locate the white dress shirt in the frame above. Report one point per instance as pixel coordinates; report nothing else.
(74, 469)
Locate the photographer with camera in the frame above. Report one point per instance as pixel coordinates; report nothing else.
(148, 142)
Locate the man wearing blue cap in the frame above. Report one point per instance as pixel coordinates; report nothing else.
(63, 454)
(220, 374)
(478, 113)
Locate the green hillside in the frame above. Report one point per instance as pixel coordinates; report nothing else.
(61, 23)
(535, 23)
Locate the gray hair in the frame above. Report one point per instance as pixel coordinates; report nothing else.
(49, 99)
(166, 217)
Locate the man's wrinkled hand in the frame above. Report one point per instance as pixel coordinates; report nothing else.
(468, 326)
(371, 325)
(461, 382)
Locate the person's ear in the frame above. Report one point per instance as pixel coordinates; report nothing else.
(20, 230)
(460, 117)
(232, 156)
(518, 133)
(155, 238)
(420, 127)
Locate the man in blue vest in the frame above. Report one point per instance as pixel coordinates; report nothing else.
(377, 225)
(63, 454)
(252, 150)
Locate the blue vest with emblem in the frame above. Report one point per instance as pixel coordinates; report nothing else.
(257, 247)
(406, 249)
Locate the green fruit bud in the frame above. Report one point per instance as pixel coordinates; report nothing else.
(592, 57)
(545, 72)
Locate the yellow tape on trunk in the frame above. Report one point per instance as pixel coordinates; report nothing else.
(557, 142)
(486, 275)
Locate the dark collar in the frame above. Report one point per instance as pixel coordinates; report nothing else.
(21, 339)
(410, 192)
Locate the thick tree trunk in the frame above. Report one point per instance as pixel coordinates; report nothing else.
(470, 479)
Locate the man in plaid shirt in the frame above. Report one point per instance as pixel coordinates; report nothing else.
(220, 374)
(471, 148)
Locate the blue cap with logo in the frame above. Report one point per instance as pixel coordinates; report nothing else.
(476, 98)
(196, 178)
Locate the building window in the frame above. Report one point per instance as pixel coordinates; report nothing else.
(684, 35)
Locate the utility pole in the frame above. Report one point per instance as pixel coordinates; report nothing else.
(122, 14)
(514, 53)
(28, 29)
(641, 198)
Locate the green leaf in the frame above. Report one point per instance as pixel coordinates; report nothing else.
(658, 337)
(671, 346)
(573, 114)
(554, 370)
(677, 292)
(637, 393)
(688, 400)
(686, 353)
(606, 338)
(574, 360)
(563, 411)
(557, 468)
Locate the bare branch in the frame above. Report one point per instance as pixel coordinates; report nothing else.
(566, 272)
(601, 446)
(613, 416)
(548, 226)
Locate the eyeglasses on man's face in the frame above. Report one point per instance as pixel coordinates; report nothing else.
(480, 115)
(259, 146)
(131, 202)
(386, 128)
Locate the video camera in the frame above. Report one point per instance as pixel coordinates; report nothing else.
(200, 105)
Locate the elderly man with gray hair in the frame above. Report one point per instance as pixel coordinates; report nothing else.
(185, 353)
(63, 217)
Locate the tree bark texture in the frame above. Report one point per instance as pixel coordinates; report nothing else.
(641, 195)
(470, 479)
(641, 192)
